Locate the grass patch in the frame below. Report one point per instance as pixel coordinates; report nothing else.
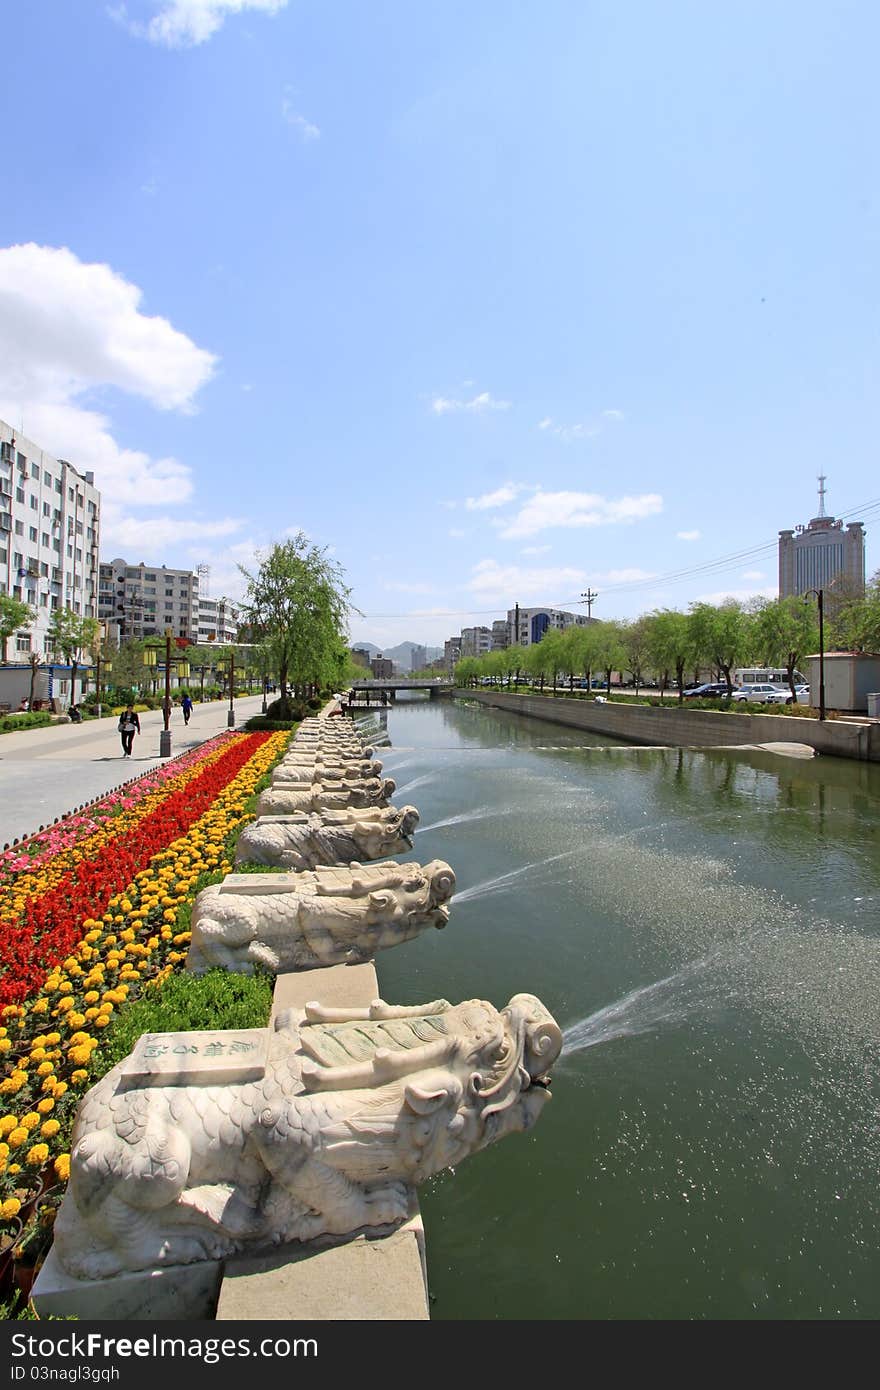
(188, 1003)
(259, 723)
(9, 723)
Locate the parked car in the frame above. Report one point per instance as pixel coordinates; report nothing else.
(762, 693)
(802, 695)
(711, 690)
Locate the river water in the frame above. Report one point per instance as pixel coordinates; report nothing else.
(704, 927)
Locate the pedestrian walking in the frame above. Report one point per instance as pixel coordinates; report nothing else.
(186, 705)
(129, 725)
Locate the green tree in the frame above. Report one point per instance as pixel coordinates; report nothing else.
(70, 634)
(299, 605)
(610, 651)
(721, 636)
(634, 637)
(13, 616)
(785, 630)
(855, 625)
(670, 645)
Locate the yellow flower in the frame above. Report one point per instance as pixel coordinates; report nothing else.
(7, 1123)
(37, 1054)
(31, 1120)
(40, 1007)
(37, 1155)
(48, 1084)
(65, 1003)
(50, 1129)
(18, 1136)
(53, 1038)
(59, 1090)
(45, 1068)
(92, 997)
(5, 1045)
(76, 1020)
(11, 1207)
(79, 1076)
(62, 1167)
(80, 1055)
(101, 1021)
(44, 1106)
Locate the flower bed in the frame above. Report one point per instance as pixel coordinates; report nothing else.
(102, 933)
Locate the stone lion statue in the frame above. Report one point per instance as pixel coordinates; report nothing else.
(326, 916)
(355, 1107)
(303, 840)
(330, 796)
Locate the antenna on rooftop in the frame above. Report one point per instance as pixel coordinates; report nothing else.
(822, 494)
(204, 573)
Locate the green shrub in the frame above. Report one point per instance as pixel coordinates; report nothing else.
(190, 1003)
(10, 722)
(260, 722)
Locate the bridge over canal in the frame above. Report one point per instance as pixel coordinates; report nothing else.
(385, 691)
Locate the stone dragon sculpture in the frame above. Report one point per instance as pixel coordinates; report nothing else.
(355, 1107)
(303, 840)
(319, 796)
(328, 916)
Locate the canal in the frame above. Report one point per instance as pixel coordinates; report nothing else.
(703, 925)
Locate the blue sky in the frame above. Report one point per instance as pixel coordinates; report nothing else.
(500, 301)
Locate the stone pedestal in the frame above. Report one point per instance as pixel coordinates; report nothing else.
(180, 1293)
(366, 1279)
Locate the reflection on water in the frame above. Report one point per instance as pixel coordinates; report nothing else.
(703, 925)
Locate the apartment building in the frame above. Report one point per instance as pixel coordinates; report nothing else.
(50, 525)
(218, 622)
(146, 599)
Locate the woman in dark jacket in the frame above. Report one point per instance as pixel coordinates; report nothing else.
(129, 725)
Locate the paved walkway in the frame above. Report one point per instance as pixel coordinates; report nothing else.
(46, 772)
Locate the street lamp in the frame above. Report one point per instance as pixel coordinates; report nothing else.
(820, 603)
(228, 662)
(165, 736)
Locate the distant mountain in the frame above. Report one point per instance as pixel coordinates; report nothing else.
(401, 655)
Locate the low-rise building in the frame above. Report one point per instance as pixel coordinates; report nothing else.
(381, 667)
(476, 641)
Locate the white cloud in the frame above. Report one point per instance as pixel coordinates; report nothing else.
(547, 510)
(503, 584)
(444, 405)
(185, 23)
(499, 498)
(71, 328)
(304, 128)
(225, 579)
(753, 574)
(535, 549)
(150, 539)
(687, 535)
(582, 429)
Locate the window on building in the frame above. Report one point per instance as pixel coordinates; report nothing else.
(44, 600)
(22, 641)
(47, 509)
(19, 528)
(70, 494)
(59, 486)
(45, 540)
(44, 570)
(35, 472)
(35, 502)
(3, 556)
(19, 494)
(32, 533)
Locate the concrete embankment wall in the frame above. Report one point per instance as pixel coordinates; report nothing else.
(687, 728)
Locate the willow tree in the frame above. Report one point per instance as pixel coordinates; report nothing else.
(298, 603)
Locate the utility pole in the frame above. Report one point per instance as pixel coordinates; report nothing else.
(589, 599)
(515, 642)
